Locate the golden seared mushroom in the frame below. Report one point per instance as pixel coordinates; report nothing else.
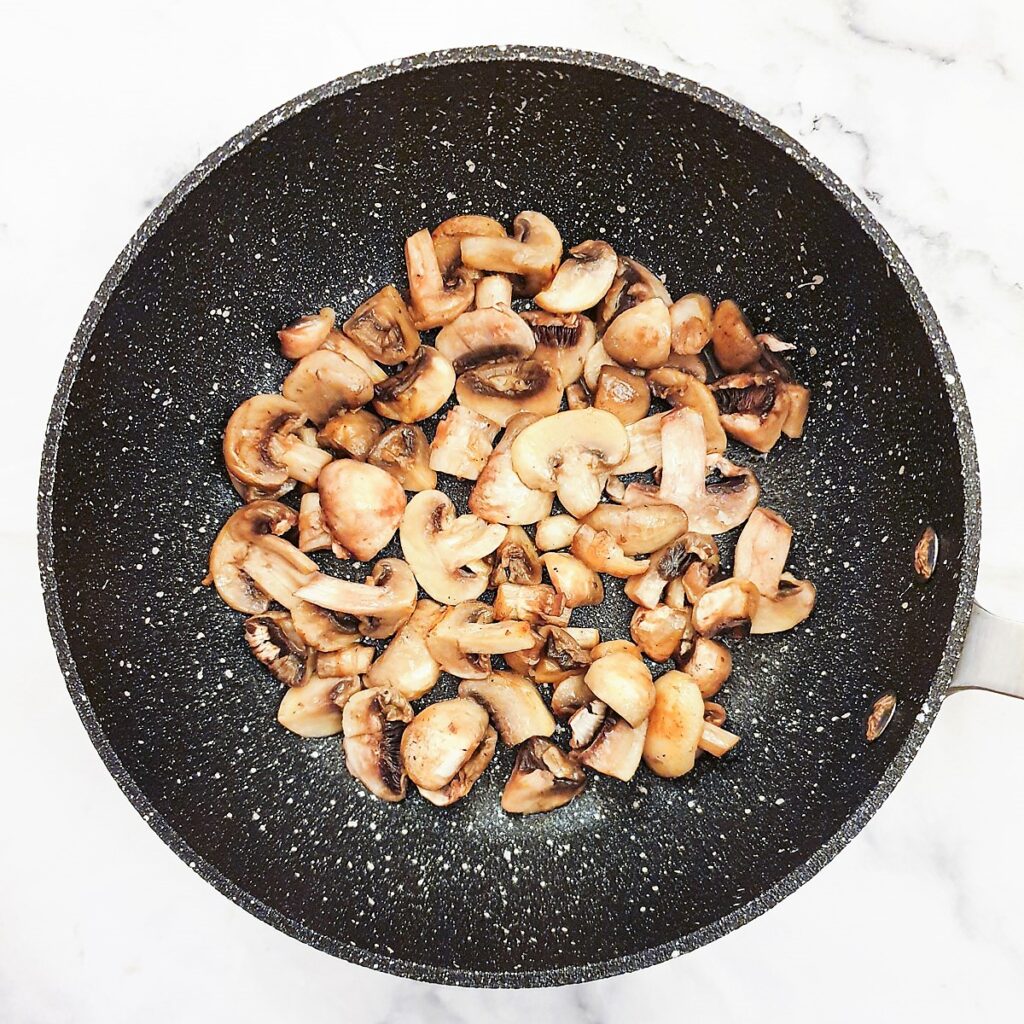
(406, 665)
(435, 300)
(446, 552)
(798, 400)
(516, 560)
(418, 390)
(793, 603)
(684, 391)
(323, 629)
(532, 254)
(616, 747)
(278, 568)
(466, 777)
(691, 323)
(448, 236)
(306, 334)
(577, 396)
(310, 710)
(354, 660)
(543, 778)
(753, 408)
(708, 665)
(502, 389)
(563, 342)
(640, 336)
(692, 558)
(633, 284)
(324, 382)
(555, 532)
(570, 453)
(351, 434)
(714, 739)
(582, 280)
(726, 609)
(536, 603)
(693, 365)
(625, 395)
(276, 644)
(462, 443)
(441, 739)
(404, 452)
(713, 505)
(382, 604)
(382, 326)
(620, 646)
(639, 529)
(485, 335)
(466, 636)
(514, 704)
(624, 683)
(344, 346)
(571, 694)
(493, 290)
(732, 339)
(313, 532)
(561, 656)
(644, 445)
(658, 631)
(601, 552)
(675, 726)
(595, 360)
(576, 582)
(374, 722)
(362, 506)
(499, 496)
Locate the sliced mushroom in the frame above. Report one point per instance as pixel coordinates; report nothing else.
(418, 390)
(684, 391)
(278, 568)
(708, 665)
(582, 280)
(313, 532)
(726, 609)
(466, 776)
(625, 395)
(753, 408)
(516, 560)
(306, 334)
(260, 445)
(323, 629)
(561, 656)
(585, 723)
(353, 660)
(374, 722)
(448, 236)
(576, 582)
(692, 558)
(594, 362)
(569, 453)
(492, 290)
(324, 382)
(514, 704)
(691, 323)
(798, 400)
(404, 453)
(310, 710)
(362, 506)
(633, 284)
(533, 253)
(543, 778)
(639, 529)
(382, 326)
(344, 690)
(344, 346)
(555, 532)
(499, 496)
(577, 396)
(601, 552)
(445, 552)
(616, 749)
(351, 433)
(624, 684)
(571, 694)
(731, 338)
(619, 646)
(443, 640)
(382, 604)
(435, 300)
(713, 505)
(793, 602)
(695, 366)
(563, 342)
(640, 336)
(502, 389)
(714, 739)
(538, 603)
(658, 631)
(277, 645)
(462, 443)
(485, 335)
(762, 550)
(441, 739)
(406, 664)
(675, 726)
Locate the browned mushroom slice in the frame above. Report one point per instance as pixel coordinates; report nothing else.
(418, 390)
(313, 532)
(374, 722)
(717, 741)
(514, 704)
(353, 660)
(448, 236)
(462, 443)
(793, 602)
(441, 739)
(403, 451)
(345, 346)
(693, 558)
(753, 408)
(533, 253)
(619, 646)
(691, 323)
(310, 710)
(762, 550)
(443, 640)
(708, 665)
(324, 630)
(362, 506)
(324, 382)
(726, 609)
(585, 722)
(278, 568)
(485, 335)
(502, 389)
(260, 444)
(576, 582)
(406, 664)
(640, 336)
(562, 342)
(436, 301)
(684, 391)
(624, 683)
(539, 604)
(277, 645)
(554, 532)
(639, 529)
(351, 433)
(562, 656)
(543, 778)
(695, 366)
(625, 395)
(798, 400)
(644, 445)
(577, 396)
(633, 284)
(675, 726)
(382, 326)
(466, 776)
(616, 748)
(602, 553)
(732, 339)
(306, 334)
(582, 280)
(516, 560)
(658, 631)
(571, 694)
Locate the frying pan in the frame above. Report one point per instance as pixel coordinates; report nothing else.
(309, 207)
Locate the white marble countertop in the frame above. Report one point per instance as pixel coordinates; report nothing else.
(915, 104)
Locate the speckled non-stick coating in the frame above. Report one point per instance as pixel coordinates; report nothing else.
(309, 207)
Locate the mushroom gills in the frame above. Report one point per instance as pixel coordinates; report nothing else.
(543, 778)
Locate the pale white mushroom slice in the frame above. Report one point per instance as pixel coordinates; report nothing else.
(435, 301)
(374, 721)
(644, 445)
(582, 280)
(441, 739)
(639, 529)
(484, 335)
(555, 532)
(345, 346)
(313, 532)
(574, 580)
(792, 603)
(406, 664)
(325, 630)
(448, 236)
(675, 726)
(462, 443)
(624, 684)
(306, 334)
(382, 326)
(543, 778)
(499, 496)
(362, 506)
(492, 290)
(324, 382)
(683, 390)
(536, 603)
(515, 705)
(595, 360)
(310, 710)
(278, 568)
(465, 778)
(417, 391)
(464, 638)
(726, 609)
(633, 284)
(353, 660)
(615, 749)
(569, 695)
(691, 559)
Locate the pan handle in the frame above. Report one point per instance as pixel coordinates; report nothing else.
(993, 655)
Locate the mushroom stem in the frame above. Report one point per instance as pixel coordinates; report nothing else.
(493, 290)
(303, 461)
(717, 741)
(278, 568)
(495, 637)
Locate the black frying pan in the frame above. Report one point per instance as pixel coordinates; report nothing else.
(309, 207)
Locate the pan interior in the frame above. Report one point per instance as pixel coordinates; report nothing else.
(313, 212)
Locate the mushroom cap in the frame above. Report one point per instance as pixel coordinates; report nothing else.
(571, 694)
(726, 609)
(483, 336)
(658, 630)
(574, 580)
(374, 721)
(640, 336)
(732, 339)
(382, 326)
(404, 452)
(691, 323)
(555, 532)
(362, 506)
(708, 664)
(514, 704)
(624, 683)
(310, 710)
(306, 334)
(441, 739)
(600, 551)
(675, 726)
(351, 433)
(443, 640)
(563, 342)
(345, 346)
(466, 776)
(418, 390)
(406, 664)
(248, 436)
(625, 395)
(582, 280)
(792, 603)
(502, 389)
(633, 284)
(324, 382)
(639, 529)
(543, 778)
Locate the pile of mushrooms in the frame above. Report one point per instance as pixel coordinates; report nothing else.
(601, 393)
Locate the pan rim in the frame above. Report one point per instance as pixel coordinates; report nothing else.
(570, 974)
